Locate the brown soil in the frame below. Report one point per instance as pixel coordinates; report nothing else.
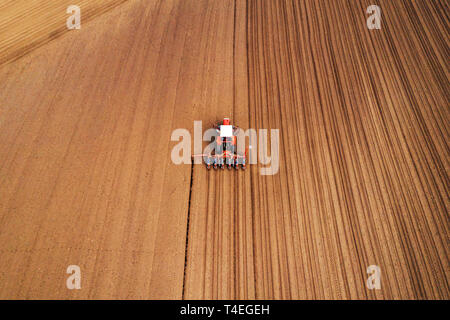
(86, 177)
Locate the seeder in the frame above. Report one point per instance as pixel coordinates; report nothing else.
(225, 149)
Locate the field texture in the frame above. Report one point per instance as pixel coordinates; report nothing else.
(86, 176)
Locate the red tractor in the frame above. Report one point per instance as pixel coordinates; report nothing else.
(225, 151)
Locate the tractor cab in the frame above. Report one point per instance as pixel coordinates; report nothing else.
(226, 144)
